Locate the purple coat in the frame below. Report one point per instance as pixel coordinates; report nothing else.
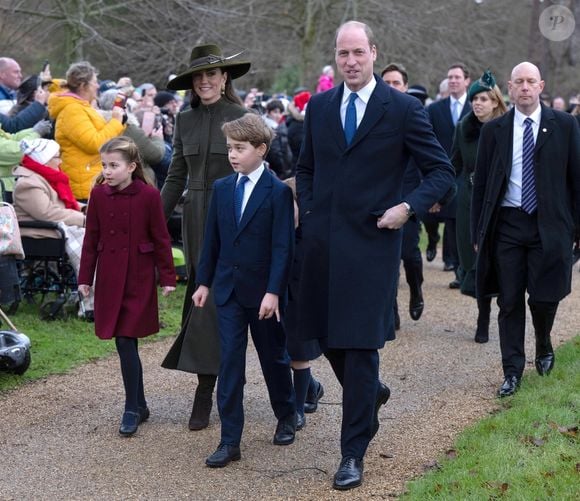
(126, 241)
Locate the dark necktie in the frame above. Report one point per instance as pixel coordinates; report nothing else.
(529, 202)
(350, 119)
(239, 197)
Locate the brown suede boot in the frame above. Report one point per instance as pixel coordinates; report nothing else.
(202, 402)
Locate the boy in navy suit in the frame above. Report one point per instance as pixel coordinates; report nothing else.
(246, 258)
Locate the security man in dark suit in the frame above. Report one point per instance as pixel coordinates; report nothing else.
(396, 76)
(525, 205)
(444, 114)
(358, 138)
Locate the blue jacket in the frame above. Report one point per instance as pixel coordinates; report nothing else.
(254, 257)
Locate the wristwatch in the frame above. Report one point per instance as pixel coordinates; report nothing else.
(410, 211)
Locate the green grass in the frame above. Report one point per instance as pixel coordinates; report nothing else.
(529, 450)
(61, 345)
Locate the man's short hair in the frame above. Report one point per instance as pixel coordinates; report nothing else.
(462, 67)
(365, 27)
(251, 128)
(397, 67)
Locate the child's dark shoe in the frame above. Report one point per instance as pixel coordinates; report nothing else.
(129, 423)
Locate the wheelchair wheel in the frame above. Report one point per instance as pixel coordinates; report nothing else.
(53, 310)
(21, 369)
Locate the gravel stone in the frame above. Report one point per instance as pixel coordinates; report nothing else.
(59, 437)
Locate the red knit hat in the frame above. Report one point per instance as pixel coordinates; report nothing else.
(300, 100)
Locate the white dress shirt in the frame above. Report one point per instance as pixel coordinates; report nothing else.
(513, 194)
(363, 94)
(253, 178)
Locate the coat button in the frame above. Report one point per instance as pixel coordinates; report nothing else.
(112, 232)
(236, 267)
(236, 244)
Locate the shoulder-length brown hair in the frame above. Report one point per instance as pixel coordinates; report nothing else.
(229, 93)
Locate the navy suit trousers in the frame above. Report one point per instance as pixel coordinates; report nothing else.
(358, 373)
(270, 342)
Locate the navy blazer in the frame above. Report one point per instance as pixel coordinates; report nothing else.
(442, 121)
(254, 257)
(349, 271)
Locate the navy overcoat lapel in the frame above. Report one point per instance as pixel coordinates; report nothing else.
(376, 108)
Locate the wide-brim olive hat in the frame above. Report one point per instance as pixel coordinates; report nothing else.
(205, 57)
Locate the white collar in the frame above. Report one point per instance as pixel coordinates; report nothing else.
(364, 94)
(461, 100)
(253, 176)
(519, 117)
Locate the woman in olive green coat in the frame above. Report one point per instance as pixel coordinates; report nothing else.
(199, 158)
(487, 103)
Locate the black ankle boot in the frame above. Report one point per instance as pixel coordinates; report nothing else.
(202, 403)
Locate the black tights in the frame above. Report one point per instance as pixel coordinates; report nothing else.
(132, 372)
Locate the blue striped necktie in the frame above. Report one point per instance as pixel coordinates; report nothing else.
(239, 197)
(350, 119)
(529, 201)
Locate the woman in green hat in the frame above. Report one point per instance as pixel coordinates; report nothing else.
(199, 158)
(487, 103)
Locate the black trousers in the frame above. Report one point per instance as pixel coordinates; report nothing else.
(517, 257)
(358, 373)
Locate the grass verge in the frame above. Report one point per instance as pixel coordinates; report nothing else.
(528, 450)
(61, 345)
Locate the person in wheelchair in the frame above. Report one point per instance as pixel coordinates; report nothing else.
(42, 193)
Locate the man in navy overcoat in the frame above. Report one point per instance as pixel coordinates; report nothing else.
(352, 211)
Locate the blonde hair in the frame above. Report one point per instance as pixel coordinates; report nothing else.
(496, 95)
(80, 74)
(250, 128)
(127, 148)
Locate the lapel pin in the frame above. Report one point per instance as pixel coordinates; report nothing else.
(544, 130)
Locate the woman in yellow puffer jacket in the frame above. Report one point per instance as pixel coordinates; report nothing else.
(80, 130)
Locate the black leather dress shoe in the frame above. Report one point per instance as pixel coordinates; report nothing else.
(129, 423)
(545, 363)
(431, 252)
(285, 430)
(300, 421)
(449, 267)
(509, 386)
(143, 414)
(312, 398)
(455, 284)
(349, 474)
(383, 395)
(223, 456)
(416, 306)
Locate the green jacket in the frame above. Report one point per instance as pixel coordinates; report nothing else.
(200, 157)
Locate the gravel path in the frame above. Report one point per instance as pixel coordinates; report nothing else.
(59, 437)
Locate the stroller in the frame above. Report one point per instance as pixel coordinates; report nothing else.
(14, 348)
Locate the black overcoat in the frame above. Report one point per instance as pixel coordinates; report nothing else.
(557, 175)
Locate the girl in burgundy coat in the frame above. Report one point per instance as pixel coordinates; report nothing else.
(126, 241)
